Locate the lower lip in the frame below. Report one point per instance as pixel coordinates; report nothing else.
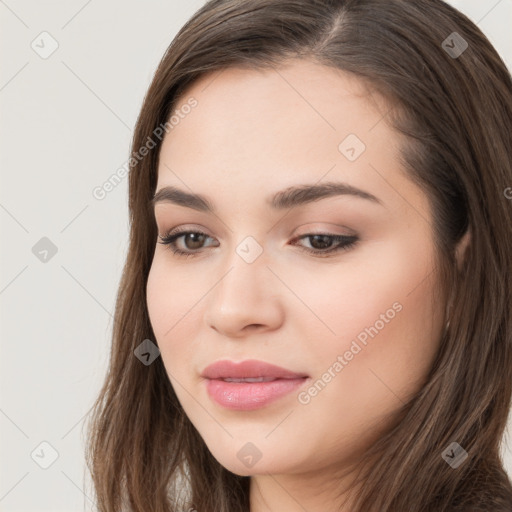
(246, 396)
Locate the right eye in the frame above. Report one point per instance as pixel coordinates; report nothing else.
(194, 238)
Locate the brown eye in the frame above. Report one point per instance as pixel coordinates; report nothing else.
(324, 244)
(192, 241)
(320, 242)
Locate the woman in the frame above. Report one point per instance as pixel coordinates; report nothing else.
(315, 312)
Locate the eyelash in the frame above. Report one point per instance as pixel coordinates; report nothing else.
(345, 243)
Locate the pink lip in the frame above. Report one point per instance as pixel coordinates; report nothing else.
(250, 368)
(249, 395)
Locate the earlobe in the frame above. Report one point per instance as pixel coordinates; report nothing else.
(460, 251)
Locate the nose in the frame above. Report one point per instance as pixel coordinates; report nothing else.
(244, 299)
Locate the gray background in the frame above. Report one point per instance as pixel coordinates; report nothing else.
(66, 125)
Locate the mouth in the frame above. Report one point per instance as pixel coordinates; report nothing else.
(250, 384)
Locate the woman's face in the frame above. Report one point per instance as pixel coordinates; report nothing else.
(358, 328)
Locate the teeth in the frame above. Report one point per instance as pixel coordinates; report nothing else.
(250, 379)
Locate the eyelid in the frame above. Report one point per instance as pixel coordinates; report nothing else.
(184, 228)
(331, 230)
(349, 233)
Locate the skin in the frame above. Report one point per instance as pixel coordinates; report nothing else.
(254, 133)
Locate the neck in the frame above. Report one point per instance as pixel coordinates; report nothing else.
(326, 490)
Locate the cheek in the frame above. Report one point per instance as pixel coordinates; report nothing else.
(338, 301)
(172, 301)
(171, 293)
(386, 329)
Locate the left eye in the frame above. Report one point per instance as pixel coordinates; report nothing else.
(322, 243)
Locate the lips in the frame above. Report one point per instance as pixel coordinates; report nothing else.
(247, 370)
(250, 384)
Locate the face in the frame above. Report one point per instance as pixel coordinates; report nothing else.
(337, 288)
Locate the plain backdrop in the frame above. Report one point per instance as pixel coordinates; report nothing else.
(66, 123)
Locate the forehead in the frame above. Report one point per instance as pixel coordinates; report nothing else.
(296, 101)
(256, 131)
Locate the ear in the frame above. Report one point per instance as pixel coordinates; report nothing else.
(460, 251)
(460, 255)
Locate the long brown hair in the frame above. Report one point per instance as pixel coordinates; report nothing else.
(451, 96)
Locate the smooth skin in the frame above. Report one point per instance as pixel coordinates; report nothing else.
(254, 133)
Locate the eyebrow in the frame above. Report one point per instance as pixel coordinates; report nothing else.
(290, 197)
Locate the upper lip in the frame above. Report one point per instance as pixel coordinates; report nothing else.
(250, 368)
